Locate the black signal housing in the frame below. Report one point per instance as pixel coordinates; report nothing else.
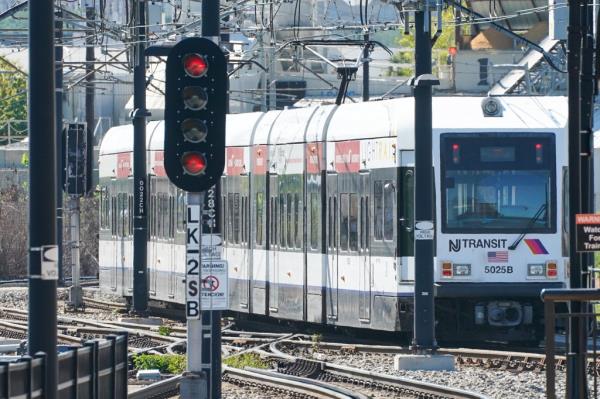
(195, 111)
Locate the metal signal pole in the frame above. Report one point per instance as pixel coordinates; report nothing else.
(424, 321)
(576, 374)
(140, 185)
(43, 251)
(60, 162)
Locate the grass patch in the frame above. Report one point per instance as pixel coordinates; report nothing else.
(172, 364)
(246, 360)
(165, 330)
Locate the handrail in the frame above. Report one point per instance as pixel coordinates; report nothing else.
(575, 294)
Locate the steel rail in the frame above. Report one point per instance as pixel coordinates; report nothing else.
(157, 390)
(355, 375)
(312, 388)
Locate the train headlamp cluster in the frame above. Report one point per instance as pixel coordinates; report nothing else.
(195, 108)
(450, 269)
(548, 269)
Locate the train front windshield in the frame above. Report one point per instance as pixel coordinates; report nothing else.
(498, 183)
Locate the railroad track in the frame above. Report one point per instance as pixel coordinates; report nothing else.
(77, 330)
(492, 359)
(371, 384)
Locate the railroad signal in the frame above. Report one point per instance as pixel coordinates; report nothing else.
(195, 108)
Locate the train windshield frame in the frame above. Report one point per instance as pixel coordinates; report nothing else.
(498, 182)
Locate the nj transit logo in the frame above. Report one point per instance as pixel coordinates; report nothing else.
(535, 246)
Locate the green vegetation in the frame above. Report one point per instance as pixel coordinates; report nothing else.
(246, 360)
(172, 364)
(407, 44)
(316, 340)
(165, 330)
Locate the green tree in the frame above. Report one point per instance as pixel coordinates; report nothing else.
(13, 98)
(407, 46)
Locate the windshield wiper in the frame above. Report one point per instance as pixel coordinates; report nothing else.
(533, 219)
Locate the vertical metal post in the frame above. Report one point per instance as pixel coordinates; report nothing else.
(43, 273)
(75, 293)
(140, 267)
(365, 71)
(195, 385)
(60, 161)
(211, 320)
(424, 327)
(576, 378)
(90, 15)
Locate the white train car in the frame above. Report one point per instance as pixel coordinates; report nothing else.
(317, 214)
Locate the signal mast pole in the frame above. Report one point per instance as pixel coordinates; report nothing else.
(424, 319)
(43, 251)
(140, 186)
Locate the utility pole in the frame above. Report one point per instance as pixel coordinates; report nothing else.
(424, 322)
(43, 251)
(365, 71)
(90, 15)
(140, 224)
(60, 161)
(576, 374)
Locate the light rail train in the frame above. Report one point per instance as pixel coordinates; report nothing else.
(316, 214)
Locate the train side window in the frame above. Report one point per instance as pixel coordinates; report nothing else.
(330, 218)
(353, 223)
(131, 215)
(344, 216)
(172, 216)
(283, 221)
(314, 221)
(389, 204)
(290, 221)
(378, 210)
(181, 211)
(335, 222)
(236, 218)
(296, 236)
(258, 239)
(275, 220)
(362, 234)
(245, 220)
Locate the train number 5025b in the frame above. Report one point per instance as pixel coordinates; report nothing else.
(498, 269)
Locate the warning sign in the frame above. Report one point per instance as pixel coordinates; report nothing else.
(214, 286)
(588, 232)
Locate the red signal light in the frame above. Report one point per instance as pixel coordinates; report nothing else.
(193, 163)
(195, 65)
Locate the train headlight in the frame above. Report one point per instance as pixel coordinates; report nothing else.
(536, 270)
(447, 269)
(462, 270)
(551, 269)
(491, 107)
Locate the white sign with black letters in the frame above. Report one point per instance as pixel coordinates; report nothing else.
(424, 230)
(192, 269)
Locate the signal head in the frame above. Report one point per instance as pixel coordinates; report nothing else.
(195, 65)
(193, 163)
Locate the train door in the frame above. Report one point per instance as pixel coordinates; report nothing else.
(153, 245)
(128, 272)
(275, 227)
(121, 234)
(244, 244)
(364, 252)
(332, 247)
(171, 248)
(114, 242)
(406, 216)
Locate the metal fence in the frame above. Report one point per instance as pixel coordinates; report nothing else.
(96, 370)
(558, 314)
